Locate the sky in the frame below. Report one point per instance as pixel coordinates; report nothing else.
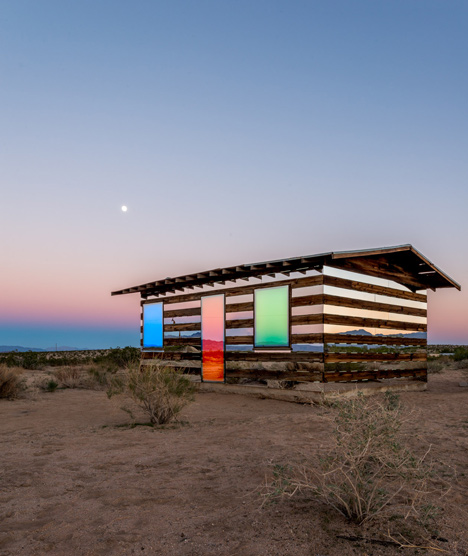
(235, 132)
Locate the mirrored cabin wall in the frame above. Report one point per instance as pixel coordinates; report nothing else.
(334, 326)
(273, 329)
(373, 328)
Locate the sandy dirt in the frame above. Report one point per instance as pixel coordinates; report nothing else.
(73, 480)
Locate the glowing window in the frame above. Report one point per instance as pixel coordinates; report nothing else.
(272, 317)
(212, 310)
(153, 325)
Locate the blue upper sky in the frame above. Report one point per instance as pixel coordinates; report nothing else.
(234, 132)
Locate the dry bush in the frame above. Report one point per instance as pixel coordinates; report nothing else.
(436, 365)
(73, 377)
(369, 472)
(11, 382)
(160, 391)
(101, 378)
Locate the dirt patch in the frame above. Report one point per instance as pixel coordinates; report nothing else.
(74, 480)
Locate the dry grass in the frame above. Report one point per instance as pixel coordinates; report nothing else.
(11, 382)
(74, 377)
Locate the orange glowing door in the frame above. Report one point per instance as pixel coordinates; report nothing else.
(212, 325)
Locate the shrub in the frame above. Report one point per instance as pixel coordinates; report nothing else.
(369, 467)
(435, 365)
(119, 358)
(101, 378)
(460, 353)
(11, 383)
(160, 391)
(50, 385)
(71, 377)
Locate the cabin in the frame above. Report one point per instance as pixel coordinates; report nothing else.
(296, 324)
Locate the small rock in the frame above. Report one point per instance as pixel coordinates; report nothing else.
(463, 384)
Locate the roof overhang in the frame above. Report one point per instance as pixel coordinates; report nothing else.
(403, 264)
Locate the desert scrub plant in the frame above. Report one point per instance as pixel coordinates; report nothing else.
(369, 468)
(435, 365)
(160, 391)
(118, 358)
(101, 378)
(460, 353)
(72, 377)
(11, 382)
(49, 385)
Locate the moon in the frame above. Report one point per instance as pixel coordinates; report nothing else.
(124, 208)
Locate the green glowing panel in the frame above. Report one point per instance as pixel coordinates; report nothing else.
(272, 317)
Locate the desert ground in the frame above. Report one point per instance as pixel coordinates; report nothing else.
(75, 479)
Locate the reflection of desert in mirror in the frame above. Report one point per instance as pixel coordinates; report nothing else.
(212, 321)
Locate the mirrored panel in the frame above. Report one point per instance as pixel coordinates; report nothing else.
(307, 310)
(213, 338)
(183, 334)
(368, 314)
(308, 347)
(271, 317)
(307, 290)
(373, 332)
(182, 320)
(306, 328)
(239, 298)
(239, 332)
(153, 325)
(356, 276)
(240, 315)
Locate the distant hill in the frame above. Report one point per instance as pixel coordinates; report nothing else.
(5, 349)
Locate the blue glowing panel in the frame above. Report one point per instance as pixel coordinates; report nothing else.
(153, 325)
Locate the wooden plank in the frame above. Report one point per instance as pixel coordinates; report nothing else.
(374, 323)
(194, 311)
(182, 326)
(307, 300)
(196, 342)
(239, 323)
(261, 374)
(295, 339)
(295, 319)
(382, 267)
(307, 356)
(379, 340)
(238, 307)
(306, 319)
(294, 283)
(241, 290)
(172, 355)
(333, 357)
(371, 288)
(372, 305)
(239, 340)
(373, 375)
(307, 338)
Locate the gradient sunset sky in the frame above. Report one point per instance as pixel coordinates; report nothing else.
(235, 132)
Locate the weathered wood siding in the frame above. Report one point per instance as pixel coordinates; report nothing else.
(348, 322)
(373, 331)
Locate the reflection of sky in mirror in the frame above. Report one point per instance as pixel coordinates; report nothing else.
(338, 273)
(368, 314)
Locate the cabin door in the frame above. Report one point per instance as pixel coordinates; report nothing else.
(213, 338)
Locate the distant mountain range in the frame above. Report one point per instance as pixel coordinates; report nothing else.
(362, 332)
(5, 349)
